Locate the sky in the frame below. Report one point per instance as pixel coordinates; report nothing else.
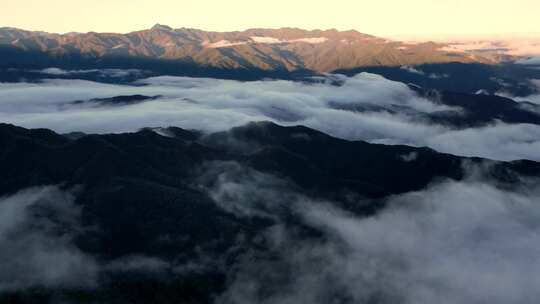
(380, 17)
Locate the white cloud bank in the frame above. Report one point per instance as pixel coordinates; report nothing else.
(455, 242)
(214, 105)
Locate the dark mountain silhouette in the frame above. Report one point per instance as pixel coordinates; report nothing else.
(118, 100)
(136, 188)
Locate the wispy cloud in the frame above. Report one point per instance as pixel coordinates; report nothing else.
(453, 242)
(37, 227)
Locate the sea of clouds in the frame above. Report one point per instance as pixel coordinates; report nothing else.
(215, 105)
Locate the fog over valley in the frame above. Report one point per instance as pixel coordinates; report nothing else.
(363, 107)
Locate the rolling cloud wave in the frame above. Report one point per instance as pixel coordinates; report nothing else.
(364, 107)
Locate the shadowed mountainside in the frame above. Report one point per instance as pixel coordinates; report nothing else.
(135, 188)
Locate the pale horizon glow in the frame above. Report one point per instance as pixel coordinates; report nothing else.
(382, 17)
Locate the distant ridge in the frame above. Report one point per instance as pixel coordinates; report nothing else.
(285, 49)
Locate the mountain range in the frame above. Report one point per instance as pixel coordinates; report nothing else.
(285, 49)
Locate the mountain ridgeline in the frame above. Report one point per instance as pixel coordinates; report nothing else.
(285, 49)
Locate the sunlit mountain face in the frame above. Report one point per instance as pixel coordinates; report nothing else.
(264, 49)
(176, 165)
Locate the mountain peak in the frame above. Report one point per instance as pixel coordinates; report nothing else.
(162, 27)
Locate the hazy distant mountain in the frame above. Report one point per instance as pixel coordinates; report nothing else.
(515, 44)
(286, 49)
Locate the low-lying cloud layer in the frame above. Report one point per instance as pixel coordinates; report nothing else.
(364, 107)
(453, 242)
(529, 61)
(37, 227)
(38, 232)
(535, 98)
